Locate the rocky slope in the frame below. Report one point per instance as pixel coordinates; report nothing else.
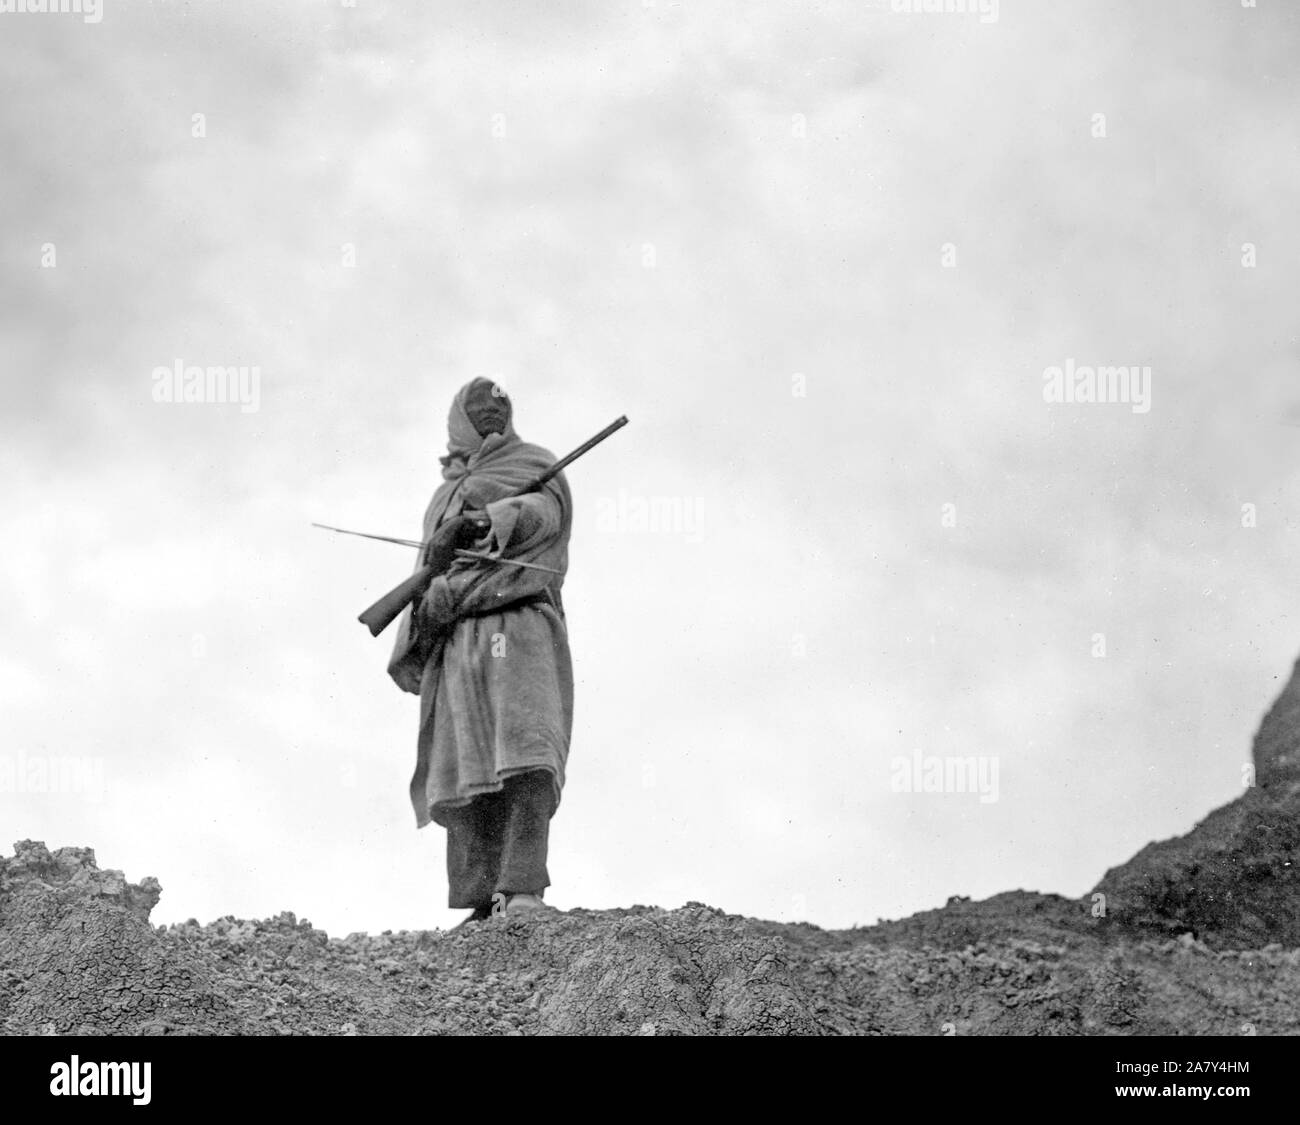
(1199, 936)
(1232, 880)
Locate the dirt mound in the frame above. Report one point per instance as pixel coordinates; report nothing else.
(77, 953)
(690, 971)
(76, 956)
(1198, 937)
(1232, 881)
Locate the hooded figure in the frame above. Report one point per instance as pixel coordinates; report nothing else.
(488, 653)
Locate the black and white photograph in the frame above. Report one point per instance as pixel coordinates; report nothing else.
(663, 519)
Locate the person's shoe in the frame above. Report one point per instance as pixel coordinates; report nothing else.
(518, 905)
(478, 914)
(525, 904)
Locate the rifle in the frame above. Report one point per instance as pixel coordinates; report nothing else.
(387, 609)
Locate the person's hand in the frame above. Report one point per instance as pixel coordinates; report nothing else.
(456, 533)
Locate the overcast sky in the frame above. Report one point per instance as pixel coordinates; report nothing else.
(822, 255)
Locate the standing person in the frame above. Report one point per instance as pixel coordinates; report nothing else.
(487, 651)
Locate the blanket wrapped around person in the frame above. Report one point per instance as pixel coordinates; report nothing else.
(487, 649)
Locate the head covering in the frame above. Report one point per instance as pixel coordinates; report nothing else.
(480, 415)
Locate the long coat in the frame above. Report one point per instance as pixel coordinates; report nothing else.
(496, 691)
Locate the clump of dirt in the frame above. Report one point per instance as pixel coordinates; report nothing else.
(1194, 936)
(77, 953)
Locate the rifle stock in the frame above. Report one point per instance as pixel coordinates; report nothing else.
(389, 608)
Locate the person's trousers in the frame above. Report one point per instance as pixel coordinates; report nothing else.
(498, 841)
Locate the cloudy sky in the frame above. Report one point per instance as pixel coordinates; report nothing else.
(822, 255)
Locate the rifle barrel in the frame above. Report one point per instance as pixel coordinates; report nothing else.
(590, 443)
